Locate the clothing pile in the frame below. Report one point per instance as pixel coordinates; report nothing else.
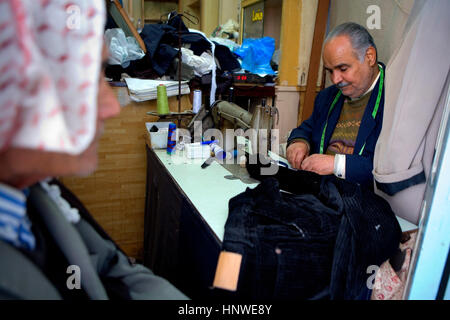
(200, 55)
(305, 236)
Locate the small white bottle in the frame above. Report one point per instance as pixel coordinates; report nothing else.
(218, 151)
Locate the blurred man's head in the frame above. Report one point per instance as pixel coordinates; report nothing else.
(350, 57)
(53, 95)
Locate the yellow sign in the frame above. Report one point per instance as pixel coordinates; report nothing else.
(258, 16)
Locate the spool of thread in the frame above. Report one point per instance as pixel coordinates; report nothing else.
(218, 151)
(171, 140)
(197, 103)
(162, 103)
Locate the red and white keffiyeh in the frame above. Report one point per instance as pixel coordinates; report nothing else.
(50, 56)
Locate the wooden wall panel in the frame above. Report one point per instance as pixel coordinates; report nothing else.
(315, 60)
(115, 193)
(209, 16)
(290, 42)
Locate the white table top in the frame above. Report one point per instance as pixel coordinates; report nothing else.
(209, 191)
(207, 188)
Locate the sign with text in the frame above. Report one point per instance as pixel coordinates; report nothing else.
(253, 22)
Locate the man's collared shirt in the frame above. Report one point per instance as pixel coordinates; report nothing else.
(339, 159)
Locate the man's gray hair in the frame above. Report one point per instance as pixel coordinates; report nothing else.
(360, 38)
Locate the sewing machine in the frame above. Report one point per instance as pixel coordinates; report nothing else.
(225, 115)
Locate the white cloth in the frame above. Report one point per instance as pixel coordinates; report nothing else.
(122, 49)
(50, 54)
(339, 166)
(146, 89)
(71, 214)
(201, 64)
(371, 87)
(212, 93)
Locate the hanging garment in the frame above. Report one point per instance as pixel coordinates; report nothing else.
(227, 60)
(418, 76)
(160, 40)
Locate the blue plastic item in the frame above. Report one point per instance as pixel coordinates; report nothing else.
(256, 55)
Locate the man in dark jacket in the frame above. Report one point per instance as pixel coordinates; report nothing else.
(340, 136)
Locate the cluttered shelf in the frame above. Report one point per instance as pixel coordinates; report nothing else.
(174, 52)
(188, 63)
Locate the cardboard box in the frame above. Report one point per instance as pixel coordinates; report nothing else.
(158, 139)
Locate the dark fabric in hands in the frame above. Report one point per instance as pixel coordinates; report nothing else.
(295, 181)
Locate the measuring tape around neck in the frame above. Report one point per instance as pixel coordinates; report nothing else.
(374, 113)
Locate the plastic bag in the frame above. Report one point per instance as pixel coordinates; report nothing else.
(122, 49)
(228, 30)
(256, 55)
(230, 44)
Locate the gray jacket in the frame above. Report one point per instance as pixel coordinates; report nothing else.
(96, 257)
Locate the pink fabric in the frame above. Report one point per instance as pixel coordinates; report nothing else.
(42, 82)
(390, 285)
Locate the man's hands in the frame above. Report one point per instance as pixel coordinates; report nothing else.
(298, 156)
(322, 164)
(296, 152)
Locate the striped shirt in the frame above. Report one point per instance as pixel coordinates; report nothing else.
(15, 227)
